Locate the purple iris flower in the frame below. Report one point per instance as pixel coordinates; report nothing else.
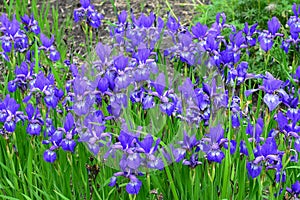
(13, 35)
(53, 96)
(35, 121)
(193, 161)
(187, 89)
(62, 137)
(239, 74)
(92, 131)
(50, 129)
(188, 151)
(148, 102)
(213, 143)
(199, 31)
(68, 143)
(144, 21)
(294, 24)
(295, 190)
(144, 64)
(253, 169)
(121, 62)
(103, 84)
(288, 123)
(170, 103)
(231, 54)
(47, 46)
(270, 87)
(232, 146)
(137, 95)
(273, 25)
(255, 132)
(122, 17)
(87, 12)
(172, 24)
(266, 37)
(149, 148)
(23, 76)
(103, 52)
(50, 156)
(251, 41)
(189, 142)
(267, 154)
(117, 102)
(243, 148)
(9, 114)
(31, 24)
(134, 186)
(159, 84)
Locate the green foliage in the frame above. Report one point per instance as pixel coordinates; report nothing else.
(240, 11)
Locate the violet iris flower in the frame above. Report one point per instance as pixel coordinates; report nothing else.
(266, 37)
(23, 76)
(266, 154)
(255, 131)
(12, 34)
(92, 131)
(213, 143)
(9, 114)
(294, 24)
(48, 47)
(270, 87)
(151, 159)
(231, 54)
(35, 121)
(295, 190)
(87, 12)
(62, 137)
(188, 151)
(31, 24)
(250, 40)
(134, 185)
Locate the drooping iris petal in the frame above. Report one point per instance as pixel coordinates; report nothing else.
(148, 102)
(253, 169)
(68, 145)
(272, 101)
(34, 128)
(49, 156)
(133, 187)
(54, 55)
(12, 86)
(134, 161)
(113, 181)
(10, 126)
(266, 44)
(215, 156)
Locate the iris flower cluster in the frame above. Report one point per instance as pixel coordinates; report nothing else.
(126, 75)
